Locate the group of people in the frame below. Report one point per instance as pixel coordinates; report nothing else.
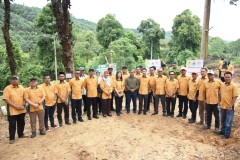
(97, 92)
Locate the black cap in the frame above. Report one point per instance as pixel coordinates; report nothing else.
(33, 79)
(91, 69)
(124, 67)
(15, 77)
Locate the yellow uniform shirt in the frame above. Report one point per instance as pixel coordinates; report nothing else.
(91, 85)
(228, 92)
(144, 85)
(193, 88)
(138, 75)
(15, 95)
(124, 76)
(230, 68)
(220, 64)
(210, 91)
(151, 82)
(200, 84)
(183, 85)
(34, 95)
(106, 89)
(119, 85)
(171, 86)
(76, 86)
(63, 90)
(160, 83)
(50, 98)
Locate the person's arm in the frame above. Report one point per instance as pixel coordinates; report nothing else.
(28, 101)
(126, 84)
(13, 105)
(104, 89)
(166, 91)
(137, 84)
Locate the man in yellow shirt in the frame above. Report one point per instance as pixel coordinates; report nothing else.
(151, 87)
(201, 99)
(91, 84)
(171, 88)
(62, 89)
(183, 80)
(76, 86)
(193, 96)
(50, 102)
(230, 68)
(34, 96)
(220, 64)
(228, 97)
(143, 91)
(159, 92)
(210, 91)
(13, 96)
(138, 72)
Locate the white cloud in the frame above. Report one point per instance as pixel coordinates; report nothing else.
(131, 12)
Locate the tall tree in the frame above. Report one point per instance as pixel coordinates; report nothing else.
(64, 24)
(186, 31)
(152, 33)
(108, 30)
(7, 39)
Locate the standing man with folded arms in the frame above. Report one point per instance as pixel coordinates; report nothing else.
(143, 92)
(50, 102)
(228, 97)
(131, 88)
(13, 96)
(171, 88)
(183, 80)
(91, 84)
(35, 96)
(62, 89)
(76, 86)
(159, 92)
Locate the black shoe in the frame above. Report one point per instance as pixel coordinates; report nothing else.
(68, 123)
(60, 125)
(121, 113)
(33, 135)
(134, 111)
(155, 113)
(118, 114)
(128, 111)
(191, 121)
(81, 120)
(89, 118)
(172, 115)
(74, 121)
(96, 117)
(144, 112)
(113, 109)
(104, 115)
(225, 137)
(164, 114)
(140, 112)
(179, 115)
(184, 116)
(109, 115)
(168, 115)
(220, 133)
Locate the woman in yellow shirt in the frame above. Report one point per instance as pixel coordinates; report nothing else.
(119, 92)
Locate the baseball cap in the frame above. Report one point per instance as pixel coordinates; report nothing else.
(210, 72)
(183, 68)
(15, 77)
(81, 69)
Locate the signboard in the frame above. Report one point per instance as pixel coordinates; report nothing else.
(153, 62)
(194, 65)
(68, 75)
(104, 67)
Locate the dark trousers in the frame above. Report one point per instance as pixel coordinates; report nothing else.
(99, 104)
(19, 121)
(143, 98)
(212, 108)
(112, 108)
(106, 106)
(49, 113)
(226, 121)
(193, 108)
(60, 107)
(76, 105)
(150, 95)
(183, 100)
(131, 96)
(92, 101)
(118, 103)
(84, 97)
(171, 102)
(156, 103)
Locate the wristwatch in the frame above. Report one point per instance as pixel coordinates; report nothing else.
(38, 103)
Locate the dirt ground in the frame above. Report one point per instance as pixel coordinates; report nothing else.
(130, 136)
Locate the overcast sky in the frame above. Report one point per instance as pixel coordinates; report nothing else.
(224, 17)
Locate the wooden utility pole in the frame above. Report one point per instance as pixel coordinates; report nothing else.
(205, 29)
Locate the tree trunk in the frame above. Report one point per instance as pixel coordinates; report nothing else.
(7, 39)
(63, 21)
